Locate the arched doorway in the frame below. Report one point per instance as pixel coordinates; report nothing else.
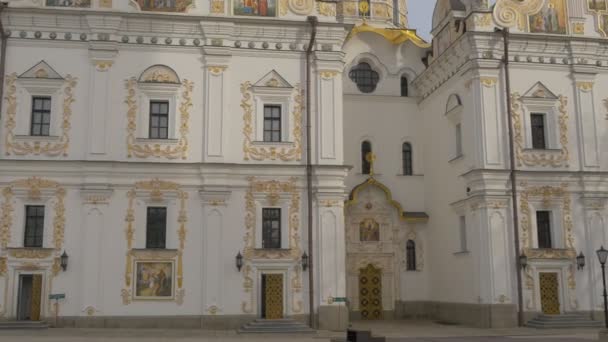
(370, 292)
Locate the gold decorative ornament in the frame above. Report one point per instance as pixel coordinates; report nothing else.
(41, 73)
(7, 217)
(540, 157)
(283, 7)
(3, 266)
(105, 3)
(158, 150)
(213, 310)
(103, 66)
(328, 74)
(488, 82)
(273, 82)
(578, 28)
(155, 189)
(553, 254)
(326, 9)
(30, 253)
(90, 311)
(160, 76)
(38, 147)
(217, 7)
(585, 86)
(56, 268)
(247, 305)
(394, 36)
(301, 7)
(483, 20)
(549, 293)
(293, 152)
(217, 69)
(509, 13)
(330, 203)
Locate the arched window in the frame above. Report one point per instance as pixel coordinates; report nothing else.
(365, 77)
(366, 147)
(406, 151)
(410, 254)
(404, 90)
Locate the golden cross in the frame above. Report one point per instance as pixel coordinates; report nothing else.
(371, 158)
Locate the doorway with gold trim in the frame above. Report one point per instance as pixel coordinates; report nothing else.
(549, 293)
(29, 298)
(272, 296)
(370, 293)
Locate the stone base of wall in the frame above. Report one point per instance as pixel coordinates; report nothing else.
(217, 322)
(475, 315)
(333, 317)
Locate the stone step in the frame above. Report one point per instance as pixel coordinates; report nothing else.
(278, 326)
(23, 325)
(563, 321)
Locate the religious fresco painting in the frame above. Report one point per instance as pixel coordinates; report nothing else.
(552, 18)
(153, 280)
(258, 8)
(164, 5)
(369, 231)
(597, 5)
(69, 3)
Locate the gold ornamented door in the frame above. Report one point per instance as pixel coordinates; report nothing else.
(36, 296)
(370, 293)
(549, 293)
(273, 296)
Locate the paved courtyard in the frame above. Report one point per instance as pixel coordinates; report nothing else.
(395, 331)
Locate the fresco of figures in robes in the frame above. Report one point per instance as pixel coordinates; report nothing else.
(259, 8)
(552, 18)
(164, 5)
(597, 5)
(69, 3)
(153, 280)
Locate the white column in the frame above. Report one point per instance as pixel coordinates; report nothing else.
(327, 111)
(216, 102)
(586, 121)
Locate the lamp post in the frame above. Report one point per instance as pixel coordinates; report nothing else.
(602, 254)
(239, 261)
(580, 261)
(304, 261)
(64, 261)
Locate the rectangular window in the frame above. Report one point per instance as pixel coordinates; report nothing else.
(271, 228)
(537, 121)
(272, 123)
(463, 234)
(156, 227)
(41, 116)
(34, 225)
(159, 120)
(458, 132)
(543, 227)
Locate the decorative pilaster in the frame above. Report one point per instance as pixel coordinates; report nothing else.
(216, 99)
(587, 120)
(328, 116)
(94, 212)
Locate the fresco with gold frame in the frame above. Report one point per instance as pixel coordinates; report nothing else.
(255, 8)
(69, 3)
(154, 280)
(597, 5)
(552, 18)
(369, 230)
(164, 5)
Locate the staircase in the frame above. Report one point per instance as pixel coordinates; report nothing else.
(275, 326)
(563, 321)
(23, 325)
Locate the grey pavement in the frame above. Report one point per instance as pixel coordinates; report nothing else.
(395, 331)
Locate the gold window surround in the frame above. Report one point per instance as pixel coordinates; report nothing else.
(291, 151)
(164, 77)
(38, 145)
(528, 157)
(155, 190)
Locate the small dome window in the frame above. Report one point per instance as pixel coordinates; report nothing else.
(365, 77)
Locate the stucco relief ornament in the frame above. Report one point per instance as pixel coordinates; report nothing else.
(327, 9)
(301, 7)
(509, 13)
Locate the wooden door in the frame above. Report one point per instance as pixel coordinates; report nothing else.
(549, 293)
(273, 296)
(370, 293)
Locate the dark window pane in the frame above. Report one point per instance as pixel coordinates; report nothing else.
(365, 78)
(366, 147)
(159, 120)
(404, 86)
(407, 159)
(411, 255)
(271, 228)
(543, 226)
(156, 227)
(41, 114)
(272, 123)
(34, 225)
(538, 131)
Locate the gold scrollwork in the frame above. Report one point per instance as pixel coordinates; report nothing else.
(38, 147)
(283, 7)
(103, 66)
(546, 194)
(326, 9)
(3, 266)
(540, 157)
(156, 189)
(260, 153)
(578, 28)
(217, 69)
(483, 20)
(296, 288)
(30, 253)
(158, 150)
(217, 6)
(509, 13)
(328, 74)
(585, 86)
(247, 305)
(301, 7)
(7, 217)
(488, 82)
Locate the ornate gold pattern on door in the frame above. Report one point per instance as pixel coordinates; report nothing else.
(36, 297)
(549, 293)
(273, 295)
(370, 292)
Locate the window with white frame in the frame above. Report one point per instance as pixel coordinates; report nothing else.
(156, 227)
(40, 124)
(272, 123)
(543, 229)
(453, 113)
(159, 120)
(34, 226)
(538, 128)
(463, 233)
(540, 119)
(271, 228)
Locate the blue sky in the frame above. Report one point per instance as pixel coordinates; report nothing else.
(420, 16)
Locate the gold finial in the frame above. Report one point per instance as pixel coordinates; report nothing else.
(371, 158)
(364, 9)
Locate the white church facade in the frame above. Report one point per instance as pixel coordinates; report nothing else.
(203, 163)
